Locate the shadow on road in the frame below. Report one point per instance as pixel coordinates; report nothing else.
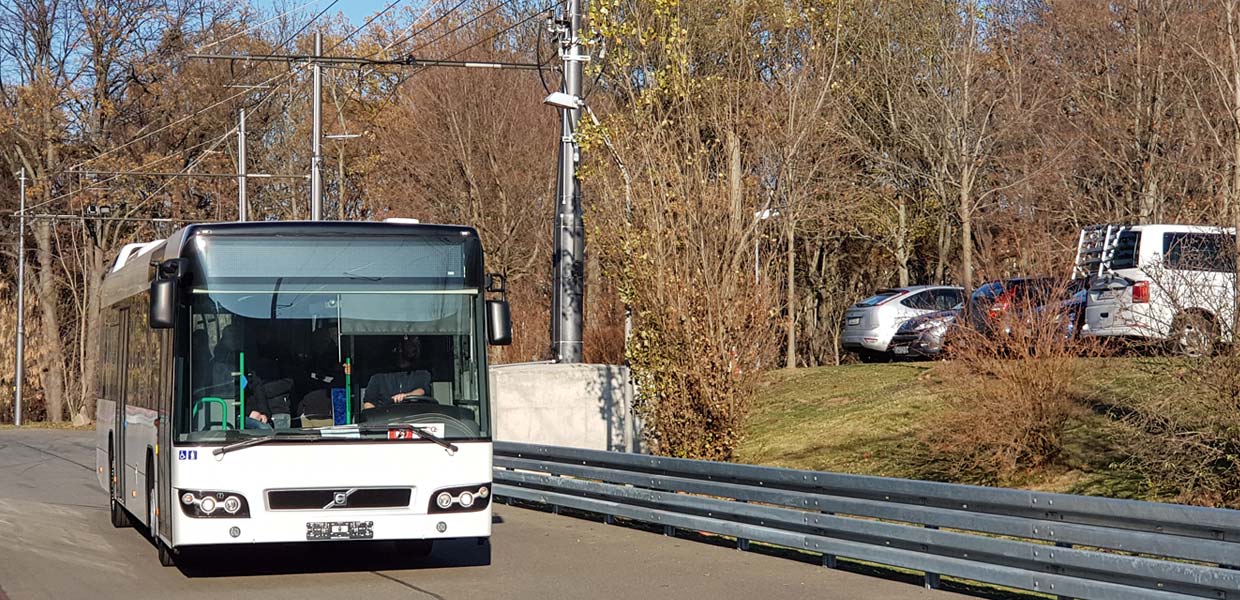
(326, 557)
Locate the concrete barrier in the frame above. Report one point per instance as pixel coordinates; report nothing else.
(574, 405)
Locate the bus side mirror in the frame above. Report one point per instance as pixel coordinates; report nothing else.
(163, 303)
(165, 293)
(499, 323)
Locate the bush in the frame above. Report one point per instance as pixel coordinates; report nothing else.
(1188, 444)
(1014, 390)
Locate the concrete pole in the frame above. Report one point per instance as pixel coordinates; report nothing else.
(243, 207)
(316, 161)
(21, 301)
(568, 259)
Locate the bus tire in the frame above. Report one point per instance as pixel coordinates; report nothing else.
(165, 554)
(120, 518)
(414, 548)
(166, 558)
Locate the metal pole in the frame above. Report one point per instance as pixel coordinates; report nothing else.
(21, 301)
(243, 207)
(570, 235)
(316, 179)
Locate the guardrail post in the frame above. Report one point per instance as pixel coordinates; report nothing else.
(932, 579)
(1062, 545)
(830, 561)
(742, 544)
(669, 531)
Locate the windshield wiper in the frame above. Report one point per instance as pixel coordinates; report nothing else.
(422, 433)
(254, 442)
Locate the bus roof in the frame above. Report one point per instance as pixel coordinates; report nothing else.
(133, 275)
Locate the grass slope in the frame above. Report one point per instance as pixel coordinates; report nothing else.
(868, 419)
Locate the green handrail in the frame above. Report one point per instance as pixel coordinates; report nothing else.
(348, 391)
(213, 400)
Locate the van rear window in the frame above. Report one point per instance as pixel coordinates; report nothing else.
(1126, 254)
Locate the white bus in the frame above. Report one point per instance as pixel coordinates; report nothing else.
(292, 381)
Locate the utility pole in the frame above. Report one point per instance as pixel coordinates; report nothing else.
(243, 207)
(567, 258)
(316, 179)
(21, 301)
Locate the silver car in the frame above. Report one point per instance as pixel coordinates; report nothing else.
(870, 324)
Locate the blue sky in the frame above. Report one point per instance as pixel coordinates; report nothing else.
(356, 10)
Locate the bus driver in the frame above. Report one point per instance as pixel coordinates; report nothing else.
(385, 389)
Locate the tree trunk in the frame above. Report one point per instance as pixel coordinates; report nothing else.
(54, 379)
(944, 250)
(902, 249)
(735, 181)
(790, 361)
(966, 235)
(90, 356)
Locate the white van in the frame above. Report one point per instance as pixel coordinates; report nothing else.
(1159, 283)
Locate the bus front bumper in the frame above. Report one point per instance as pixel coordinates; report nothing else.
(328, 526)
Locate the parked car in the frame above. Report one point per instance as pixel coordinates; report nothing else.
(1171, 284)
(923, 336)
(1069, 312)
(994, 307)
(870, 324)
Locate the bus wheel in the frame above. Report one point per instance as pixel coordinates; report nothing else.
(414, 548)
(120, 518)
(165, 554)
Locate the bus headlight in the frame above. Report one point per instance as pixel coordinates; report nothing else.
(201, 504)
(465, 498)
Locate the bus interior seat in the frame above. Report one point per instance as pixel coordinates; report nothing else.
(442, 391)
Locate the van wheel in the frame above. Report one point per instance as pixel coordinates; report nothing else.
(1194, 335)
(120, 518)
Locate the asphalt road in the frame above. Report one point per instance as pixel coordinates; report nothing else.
(56, 542)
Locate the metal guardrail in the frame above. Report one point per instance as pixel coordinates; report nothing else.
(1058, 544)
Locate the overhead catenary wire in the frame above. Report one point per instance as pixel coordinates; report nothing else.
(414, 34)
(463, 25)
(412, 23)
(225, 100)
(249, 28)
(498, 34)
(364, 25)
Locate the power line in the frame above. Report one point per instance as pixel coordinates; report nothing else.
(364, 25)
(389, 46)
(462, 25)
(225, 100)
(173, 123)
(254, 26)
(428, 26)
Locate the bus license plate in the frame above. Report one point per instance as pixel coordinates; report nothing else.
(340, 530)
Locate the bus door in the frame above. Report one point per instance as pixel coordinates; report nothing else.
(122, 388)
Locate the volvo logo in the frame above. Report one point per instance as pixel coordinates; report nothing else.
(340, 499)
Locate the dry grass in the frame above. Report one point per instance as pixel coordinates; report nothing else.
(871, 419)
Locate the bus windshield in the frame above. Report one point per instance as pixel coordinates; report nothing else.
(316, 333)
